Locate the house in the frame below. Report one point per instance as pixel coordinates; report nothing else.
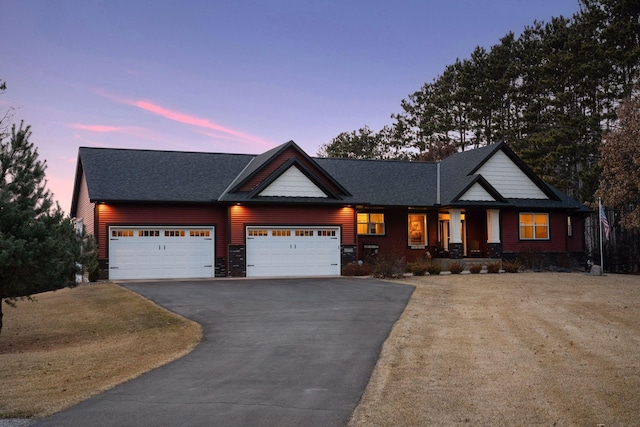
(166, 214)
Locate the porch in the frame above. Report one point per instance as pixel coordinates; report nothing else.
(468, 234)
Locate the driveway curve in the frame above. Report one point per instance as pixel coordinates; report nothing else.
(285, 352)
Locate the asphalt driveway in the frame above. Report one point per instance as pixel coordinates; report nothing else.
(277, 352)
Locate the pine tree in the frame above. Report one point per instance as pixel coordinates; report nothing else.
(39, 247)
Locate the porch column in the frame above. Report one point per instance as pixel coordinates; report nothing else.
(494, 245)
(455, 230)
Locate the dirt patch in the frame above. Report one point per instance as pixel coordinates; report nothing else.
(511, 349)
(71, 344)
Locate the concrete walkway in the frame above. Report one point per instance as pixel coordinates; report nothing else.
(277, 352)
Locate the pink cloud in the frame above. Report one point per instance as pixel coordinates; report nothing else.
(184, 118)
(96, 128)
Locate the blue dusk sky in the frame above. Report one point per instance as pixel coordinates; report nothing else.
(232, 76)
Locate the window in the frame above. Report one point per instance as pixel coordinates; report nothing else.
(258, 233)
(417, 230)
(200, 233)
(371, 223)
(304, 233)
(534, 226)
(148, 233)
(174, 233)
(121, 233)
(281, 233)
(326, 233)
(569, 226)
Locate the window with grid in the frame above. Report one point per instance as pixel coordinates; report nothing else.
(371, 223)
(534, 226)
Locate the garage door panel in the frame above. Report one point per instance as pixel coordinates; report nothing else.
(301, 251)
(158, 253)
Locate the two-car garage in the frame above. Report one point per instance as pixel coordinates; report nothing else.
(189, 252)
(293, 251)
(161, 252)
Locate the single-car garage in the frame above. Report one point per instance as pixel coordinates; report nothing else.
(293, 251)
(161, 252)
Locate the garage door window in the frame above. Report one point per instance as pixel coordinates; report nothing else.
(199, 233)
(326, 233)
(122, 233)
(258, 233)
(281, 233)
(148, 233)
(304, 233)
(174, 233)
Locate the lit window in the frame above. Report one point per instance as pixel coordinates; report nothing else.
(371, 223)
(121, 233)
(304, 233)
(534, 226)
(417, 229)
(199, 233)
(174, 233)
(148, 233)
(281, 233)
(258, 233)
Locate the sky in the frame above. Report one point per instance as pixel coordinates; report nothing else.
(234, 76)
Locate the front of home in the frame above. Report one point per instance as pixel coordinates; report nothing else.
(166, 214)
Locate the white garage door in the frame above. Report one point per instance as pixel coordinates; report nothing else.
(160, 253)
(300, 251)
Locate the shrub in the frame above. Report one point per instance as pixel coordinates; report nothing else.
(355, 269)
(511, 266)
(475, 268)
(418, 268)
(456, 267)
(94, 274)
(388, 265)
(493, 267)
(532, 258)
(563, 261)
(433, 269)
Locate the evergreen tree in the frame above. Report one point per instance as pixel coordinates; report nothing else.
(40, 249)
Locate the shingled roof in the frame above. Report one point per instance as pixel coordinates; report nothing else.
(154, 176)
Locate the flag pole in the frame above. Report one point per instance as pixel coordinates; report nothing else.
(600, 222)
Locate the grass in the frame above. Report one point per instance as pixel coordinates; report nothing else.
(71, 344)
(510, 349)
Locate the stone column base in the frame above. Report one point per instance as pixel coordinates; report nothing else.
(455, 250)
(494, 250)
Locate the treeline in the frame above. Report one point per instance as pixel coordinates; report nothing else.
(550, 93)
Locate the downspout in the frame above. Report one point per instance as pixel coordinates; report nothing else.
(438, 183)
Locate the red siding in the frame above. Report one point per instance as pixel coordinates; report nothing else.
(279, 161)
(576, 242)
(181, 215)
(396, 238)
(241, 216)
(510, 234)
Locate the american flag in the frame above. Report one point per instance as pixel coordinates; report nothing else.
(605, 222)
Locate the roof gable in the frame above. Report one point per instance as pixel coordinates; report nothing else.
(502, 169)
(508, 178)
(292, 183)
(267, 167)
(477, 193)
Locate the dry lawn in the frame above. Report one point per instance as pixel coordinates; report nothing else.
(512, 349)
(74, 343)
